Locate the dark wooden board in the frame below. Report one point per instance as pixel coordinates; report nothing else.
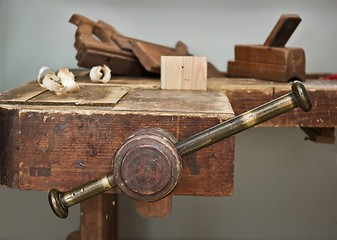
(245, 94)
(64, 148)
(52, 141)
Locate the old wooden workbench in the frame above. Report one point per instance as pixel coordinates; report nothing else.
(49, 141)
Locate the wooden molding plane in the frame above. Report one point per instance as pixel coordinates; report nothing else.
(272, 60)
(98, 43)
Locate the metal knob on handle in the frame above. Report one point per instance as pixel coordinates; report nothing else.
(147, 166)
(60, 201)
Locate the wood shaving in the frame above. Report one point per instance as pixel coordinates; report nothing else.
(61, 83)
(100, 74)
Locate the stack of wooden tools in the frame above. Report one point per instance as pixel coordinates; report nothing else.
(271, 61)
(98, 43)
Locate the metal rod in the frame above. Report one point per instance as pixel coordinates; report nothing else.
(297, 98)
(60, 201)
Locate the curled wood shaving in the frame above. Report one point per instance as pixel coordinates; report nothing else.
(100, 74)
(68, 80)
(61, 83)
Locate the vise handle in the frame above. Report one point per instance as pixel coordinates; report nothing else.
(148, 166)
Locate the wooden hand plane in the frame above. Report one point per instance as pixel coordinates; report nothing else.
(271, 61)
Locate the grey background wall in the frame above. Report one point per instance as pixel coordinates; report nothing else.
(285, 187)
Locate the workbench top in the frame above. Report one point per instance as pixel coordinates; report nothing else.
(50, 141)
(243, 93)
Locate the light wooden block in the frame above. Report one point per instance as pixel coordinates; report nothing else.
(183, 72)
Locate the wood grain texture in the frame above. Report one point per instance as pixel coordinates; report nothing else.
(9, 147)
(183, 72)
(271, 72)
(78, 146)
(22, 93)
(64, 146)
(272, 55)
(91, 94)
(99, 218)
(52, 146)
(245, 94)
(210, 103)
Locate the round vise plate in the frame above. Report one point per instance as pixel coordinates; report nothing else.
(147, 166)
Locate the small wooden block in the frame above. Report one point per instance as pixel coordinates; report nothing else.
(183, 72)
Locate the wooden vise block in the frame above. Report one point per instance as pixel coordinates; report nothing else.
(271, 61)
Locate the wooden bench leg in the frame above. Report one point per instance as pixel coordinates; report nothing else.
(98, 219)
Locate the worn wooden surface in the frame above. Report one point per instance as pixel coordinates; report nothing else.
(98, 219)
(45, 146)
(183, 72)
(87, 95)
(245, 94)
(64, 145)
